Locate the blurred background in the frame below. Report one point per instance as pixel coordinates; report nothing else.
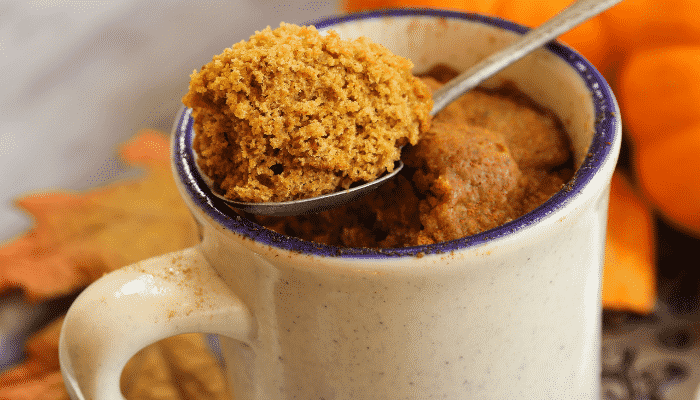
(80, 77)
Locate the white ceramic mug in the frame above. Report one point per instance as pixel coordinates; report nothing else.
(513, 312)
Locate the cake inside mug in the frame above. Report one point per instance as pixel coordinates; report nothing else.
(488, 158)
(293, 114)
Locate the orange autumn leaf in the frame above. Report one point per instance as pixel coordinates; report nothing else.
(180, 367)
(78, 237)
(46, 387)
(35, 374)
(629, 273)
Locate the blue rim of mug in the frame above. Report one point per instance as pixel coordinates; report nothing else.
(607, 119)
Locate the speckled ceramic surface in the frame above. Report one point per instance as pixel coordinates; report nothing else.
(514, 312)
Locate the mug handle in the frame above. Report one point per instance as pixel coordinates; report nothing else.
(135, 306)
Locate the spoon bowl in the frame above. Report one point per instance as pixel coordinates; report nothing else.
(312, 204)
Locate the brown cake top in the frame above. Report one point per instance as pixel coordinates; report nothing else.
(292, 113)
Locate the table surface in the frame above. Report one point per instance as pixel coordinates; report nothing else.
(654, 357)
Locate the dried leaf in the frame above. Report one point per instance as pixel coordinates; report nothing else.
(46, 387)
(147, 377)
(629, 276)
(80, 236)
(41, 360)
(179, 367)
(77, 238)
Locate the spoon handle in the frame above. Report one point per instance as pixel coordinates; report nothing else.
(568, 18)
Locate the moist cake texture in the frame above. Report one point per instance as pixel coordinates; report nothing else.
(488, 158)
(292, 114)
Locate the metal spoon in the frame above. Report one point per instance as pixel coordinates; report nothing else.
(310, 205)
(567, 19)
